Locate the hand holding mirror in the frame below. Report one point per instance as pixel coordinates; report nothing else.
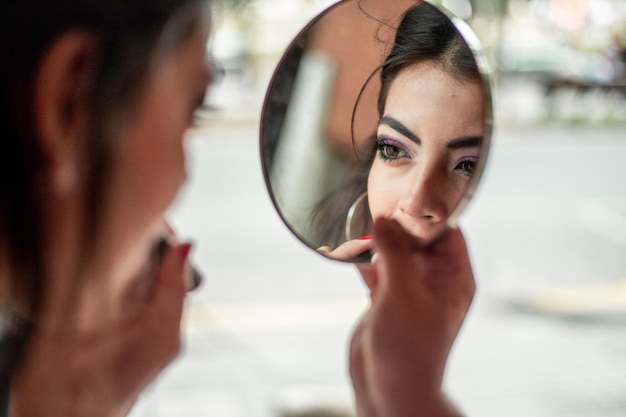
(375, 112)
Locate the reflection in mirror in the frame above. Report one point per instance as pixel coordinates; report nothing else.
(387, 114)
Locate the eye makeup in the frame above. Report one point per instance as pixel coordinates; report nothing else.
(466, 166)
(390, 150)
(399, 127)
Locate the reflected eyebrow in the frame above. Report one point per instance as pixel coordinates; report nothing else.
(458, 143)
(467, 142)
(399, 127)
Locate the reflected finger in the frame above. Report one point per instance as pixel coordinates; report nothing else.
(348, 251)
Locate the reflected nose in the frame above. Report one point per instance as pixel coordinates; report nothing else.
(426, 196)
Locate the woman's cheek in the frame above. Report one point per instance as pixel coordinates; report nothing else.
(173, 178)
(171, 173)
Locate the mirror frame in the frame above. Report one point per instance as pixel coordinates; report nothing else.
(473, 43)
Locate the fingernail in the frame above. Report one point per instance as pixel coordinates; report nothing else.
(185, 249)
(365, 237)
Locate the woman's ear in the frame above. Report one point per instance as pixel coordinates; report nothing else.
(61, 98)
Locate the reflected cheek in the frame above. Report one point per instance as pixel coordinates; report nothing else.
(454, 191)
(383, 194)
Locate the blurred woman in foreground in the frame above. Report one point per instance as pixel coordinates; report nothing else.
(96, 96)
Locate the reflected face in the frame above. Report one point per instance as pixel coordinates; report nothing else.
(428, 146)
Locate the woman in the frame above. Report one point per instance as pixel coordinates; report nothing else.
(96, 96)
(430, 128)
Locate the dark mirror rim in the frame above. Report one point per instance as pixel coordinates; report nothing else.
(473, 43)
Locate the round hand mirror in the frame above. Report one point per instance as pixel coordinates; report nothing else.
(375, 111)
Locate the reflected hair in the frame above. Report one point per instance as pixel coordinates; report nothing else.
(425, 34)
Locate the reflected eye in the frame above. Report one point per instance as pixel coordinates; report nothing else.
(389, 152)
(467, 167)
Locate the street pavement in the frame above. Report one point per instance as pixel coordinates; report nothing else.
(266, 335)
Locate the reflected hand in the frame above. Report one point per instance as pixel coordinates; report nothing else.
(349, 250)
(94, 370)
(419, 300)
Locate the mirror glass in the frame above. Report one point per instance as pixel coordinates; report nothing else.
(375, 111)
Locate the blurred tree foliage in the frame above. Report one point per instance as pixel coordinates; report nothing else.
(495, 7)
(231, 5)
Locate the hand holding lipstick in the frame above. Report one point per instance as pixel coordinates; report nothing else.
(99, 367)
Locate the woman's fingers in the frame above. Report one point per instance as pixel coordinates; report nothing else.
(359, 370)
(393, 248)
(152, 339)
(369, 272)
(448, 274)
(170, 286)
(399, 348)
(162, 315)
(442, 267)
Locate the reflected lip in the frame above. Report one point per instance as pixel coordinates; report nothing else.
(424, 237)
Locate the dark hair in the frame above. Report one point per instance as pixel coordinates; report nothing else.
(425, 34)
(131, 34)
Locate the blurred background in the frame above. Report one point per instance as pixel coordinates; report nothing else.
(266, 335)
